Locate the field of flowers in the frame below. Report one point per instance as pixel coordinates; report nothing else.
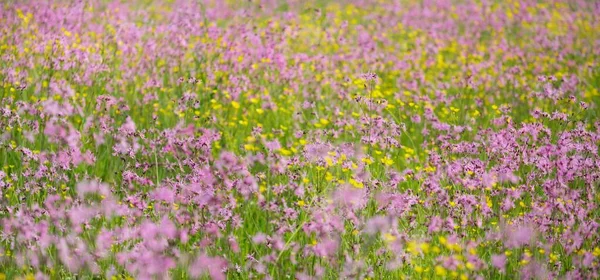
(366, 139)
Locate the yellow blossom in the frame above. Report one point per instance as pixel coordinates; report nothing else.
(440, 271)
(387, 161)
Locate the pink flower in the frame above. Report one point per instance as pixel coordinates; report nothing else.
(259, 238)
(519, 236)
(326, 248)
(128, 128)
(164, 194)
(213, 266)
(377, 224)
(499, 262)
(86, 187)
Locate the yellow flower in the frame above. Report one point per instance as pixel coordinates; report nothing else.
(522, 204)
(367, 160)
(429, 169)
(356, 184)
(389, 237)
(418, 269)
(328, 177)
(455, 247)
(442, 240)
(285, 152)
(425, 247)
(250, 147)
(387, 161)
(440, 271)
(411, 247)
(473, 251)
(488, 201)
(300, 203)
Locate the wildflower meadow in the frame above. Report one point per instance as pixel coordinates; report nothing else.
(299, 139)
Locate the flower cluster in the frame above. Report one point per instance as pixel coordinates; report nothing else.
(365, 139)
